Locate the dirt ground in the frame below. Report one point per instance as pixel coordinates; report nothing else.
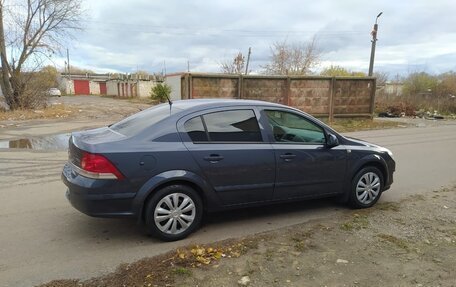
(409, 243)
(68, 113)
(96, 107)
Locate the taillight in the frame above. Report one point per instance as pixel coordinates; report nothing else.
(99, 166)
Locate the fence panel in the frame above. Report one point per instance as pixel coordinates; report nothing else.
(353, 97)
(311, 95)
(320, 96)
(270, 90)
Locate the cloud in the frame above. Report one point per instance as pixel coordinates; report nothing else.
(126, 35)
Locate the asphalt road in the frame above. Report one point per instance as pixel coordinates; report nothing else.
(43, 238)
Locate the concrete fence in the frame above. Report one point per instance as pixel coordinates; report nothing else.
(331, 97)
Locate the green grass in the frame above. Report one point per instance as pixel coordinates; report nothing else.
(351, 125)
(393, 206)
(358, 222)
(182, 271)
(401, 243)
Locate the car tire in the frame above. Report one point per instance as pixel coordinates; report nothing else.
(173, 212)
(366, 187)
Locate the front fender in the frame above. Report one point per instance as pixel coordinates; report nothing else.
(168, 177)
(365, 160)
(355, 165)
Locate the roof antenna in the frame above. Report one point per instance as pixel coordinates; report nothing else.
(170, 103)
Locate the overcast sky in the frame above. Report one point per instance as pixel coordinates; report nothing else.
(144, 34)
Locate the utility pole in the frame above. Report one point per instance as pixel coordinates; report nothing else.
(248, 60)
(374, 41)
(69, 69)
(188, 66)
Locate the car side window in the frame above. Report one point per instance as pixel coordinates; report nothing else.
(288, 127)
(195, 129)
(233, 126)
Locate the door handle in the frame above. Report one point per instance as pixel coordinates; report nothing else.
(287, 156)
(213, 158)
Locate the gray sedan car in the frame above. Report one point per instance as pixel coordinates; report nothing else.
(170, 164)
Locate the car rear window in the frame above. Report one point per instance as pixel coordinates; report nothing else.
(138, 122)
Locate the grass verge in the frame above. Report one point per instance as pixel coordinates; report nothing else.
(53, 111)
(135, 100)
(164, 269)
(352, 125)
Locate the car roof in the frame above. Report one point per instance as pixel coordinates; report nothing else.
(199, 104)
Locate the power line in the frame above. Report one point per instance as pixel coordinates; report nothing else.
(220, 33)
(212, 31)
(212, 27)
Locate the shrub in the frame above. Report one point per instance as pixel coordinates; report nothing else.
(161, 92)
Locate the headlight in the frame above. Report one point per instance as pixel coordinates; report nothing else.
(389, 152)
(385, 150)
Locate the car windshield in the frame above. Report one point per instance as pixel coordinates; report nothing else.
(138, 122)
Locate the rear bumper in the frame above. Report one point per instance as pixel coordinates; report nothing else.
(100, 206)
(97, 197)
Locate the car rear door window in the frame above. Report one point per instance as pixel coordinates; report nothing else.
(288, 127)
(195, 129)
(233, 126)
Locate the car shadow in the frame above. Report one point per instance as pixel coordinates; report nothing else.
(271, 211)
(123, 229)
(105, 229)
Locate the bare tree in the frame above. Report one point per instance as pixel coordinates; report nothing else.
(293, 59)
(237, 66)
(30, 30)
(382, 78)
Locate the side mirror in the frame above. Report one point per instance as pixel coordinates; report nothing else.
(332, 141)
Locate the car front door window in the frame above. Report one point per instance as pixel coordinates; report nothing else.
(291, 128)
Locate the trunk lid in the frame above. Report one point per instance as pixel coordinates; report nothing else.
(92, 141)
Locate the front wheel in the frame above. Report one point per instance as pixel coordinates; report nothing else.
(174, 212)
(366, 188)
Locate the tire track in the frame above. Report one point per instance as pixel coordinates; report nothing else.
(19, 172)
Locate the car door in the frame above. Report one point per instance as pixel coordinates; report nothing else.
(306, 167)
(231, 151)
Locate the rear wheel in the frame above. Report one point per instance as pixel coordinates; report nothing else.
(174, 212)
(366, 187)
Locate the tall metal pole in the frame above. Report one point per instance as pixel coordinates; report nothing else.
(248, 60)
(69, 69)
(68, 62)
(374, 41)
